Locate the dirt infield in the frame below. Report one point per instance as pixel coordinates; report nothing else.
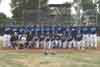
(41, 50)
(56, 50)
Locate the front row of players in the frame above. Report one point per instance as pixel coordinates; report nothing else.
(70, 38)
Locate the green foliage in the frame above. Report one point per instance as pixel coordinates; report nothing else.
(87, 4)
(3, 18)
(19, 6)
(98, 20)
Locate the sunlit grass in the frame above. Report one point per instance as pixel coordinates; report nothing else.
(73, 59)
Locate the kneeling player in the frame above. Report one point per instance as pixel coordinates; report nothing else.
(69, 41)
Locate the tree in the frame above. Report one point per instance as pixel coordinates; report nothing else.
(98, 14)
(19, 6)
(3, 18)
(87, 4)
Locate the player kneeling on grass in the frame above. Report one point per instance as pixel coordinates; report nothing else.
(41, 41)
(69, 41)
(22, 43)
(36, 41)
(29, 40)
(13, 39)
(64, 41)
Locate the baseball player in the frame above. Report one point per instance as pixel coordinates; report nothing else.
(49, 45)
(69, 40)
(64, 41)
(67, 31)
(13, 39)
(46, 46)
(36, 40)
(29, 40)
(73, 33)
(7, 38)
(78, 39)
(42, 40)
(93, 38)
(85, 32)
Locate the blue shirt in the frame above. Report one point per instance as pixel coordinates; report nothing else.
(92, 30)
(67, 31)
(85, 30)
(21, 30)
(78, 37)
(70, 37)
(73, 32)
(8, 30)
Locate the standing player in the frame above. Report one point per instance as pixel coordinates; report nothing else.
(35, 36)
(93, 38)
(78, 38)
(65, 44)
(69, 39)
(85, 32)
(7, 38)
(73, 33)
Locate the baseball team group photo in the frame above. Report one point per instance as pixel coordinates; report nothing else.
(45, 33)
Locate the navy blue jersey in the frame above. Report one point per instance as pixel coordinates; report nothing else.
(50, 29)
(59, 30)
(38, 30)
(26, 30)
(85, 30)
(14, 29)
(42, 30)
(67, 31)
(78, 37)
(73, 32)
(92, 30)
(53, 29)
(33, 30)
(70, 37)
(8, 30)
(45, 29)
(21, 31)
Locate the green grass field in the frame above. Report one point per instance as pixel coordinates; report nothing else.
(70, 59)
(87, 58)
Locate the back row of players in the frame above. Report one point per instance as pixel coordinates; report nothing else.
(52, 36)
